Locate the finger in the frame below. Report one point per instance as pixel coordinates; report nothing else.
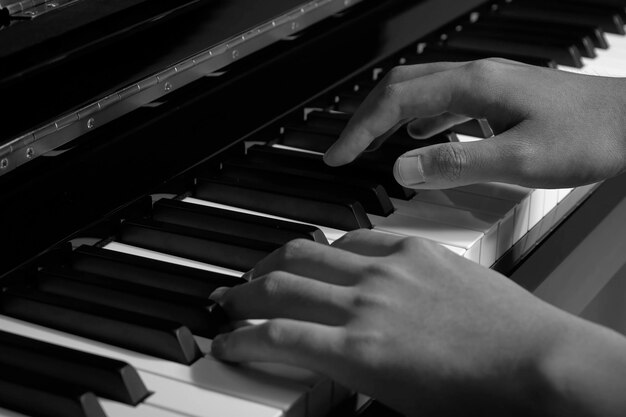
(426, 127)
(467, 91)
(368, 243)
(312, 260)
(308, 345)
(375, 117)
(461, 163)
(284, 295)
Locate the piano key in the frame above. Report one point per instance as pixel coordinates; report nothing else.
(334, 211)
(301, 137)
(164, 257)
(360, 168)
(148, 272)
(438, 232)
(504, 210)
(229, 222)
(146, 334)
(369, 193)
(199, 315)
(106, 377)
(540, 12)
(485, 223)
(478, 128)
(234, 252)
(595, 34)
(10, 413)
(330, 233)
(588, 7)
(115, 409)
(520, 196)
(436, 53)
(562, 54)
(535, 34)
(226, 389)
(32, 393)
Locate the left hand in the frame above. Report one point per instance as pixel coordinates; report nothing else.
(400, 319)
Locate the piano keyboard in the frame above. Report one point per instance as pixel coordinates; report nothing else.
(124, 327)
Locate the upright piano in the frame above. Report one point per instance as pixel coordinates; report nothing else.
(151, 151)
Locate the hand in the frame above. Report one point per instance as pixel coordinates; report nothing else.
(409, 323)
(553, 129)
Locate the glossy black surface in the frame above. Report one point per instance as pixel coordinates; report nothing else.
(49, 199)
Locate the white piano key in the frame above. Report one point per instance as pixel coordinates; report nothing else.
(195, 401)
(439, 232)
(10, 413)
(147, 253)
(467, 138)
(520, 196)
(503, 209)
(563, 192)
(331, 234)
(229, 384)
(537, 204)
(319, 389)
(488, 224)
(551, 200)
(115, 409)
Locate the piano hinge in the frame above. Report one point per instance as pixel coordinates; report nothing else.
(28, 9)
(31, 145)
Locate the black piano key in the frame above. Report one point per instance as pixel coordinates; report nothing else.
(449, 54)
(359, 169)
(233, 223)
(42, 396)
(562, 55)
(108, 378)
(350, 102)
(588, 6)
(332, 122)
(309, 139)
(193, 312)
(370, 194)
(544, 34)
(214, 248)
(594, 33)
(544, 13)
(145, 334)
(149, 272)
(340, 212)
(476, 127)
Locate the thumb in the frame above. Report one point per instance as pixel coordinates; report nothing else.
(455, 164)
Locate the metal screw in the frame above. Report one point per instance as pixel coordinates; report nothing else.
(167, 86)
(235, 54)
(91, 122)
(294, 25)
(30, 152)
(4, 163)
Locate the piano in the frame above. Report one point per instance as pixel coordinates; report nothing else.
(152, 151)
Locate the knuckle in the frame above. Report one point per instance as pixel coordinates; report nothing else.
(275, 333)
(391, 93)
(364, 346)
(451, 160)
(273, 284)
(413, 245)
(293, 249)
(396, 75)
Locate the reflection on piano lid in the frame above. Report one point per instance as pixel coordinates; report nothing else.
(111, 247)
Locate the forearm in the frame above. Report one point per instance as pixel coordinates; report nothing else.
(587, 372)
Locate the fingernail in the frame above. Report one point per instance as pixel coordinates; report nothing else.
(217, 294)
(248, 275)
(218, 346)
(409, 170)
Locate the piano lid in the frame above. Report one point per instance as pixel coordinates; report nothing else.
(71, 70)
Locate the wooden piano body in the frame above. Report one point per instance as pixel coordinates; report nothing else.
(109, 102)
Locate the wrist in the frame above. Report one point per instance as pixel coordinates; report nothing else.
(584, 371)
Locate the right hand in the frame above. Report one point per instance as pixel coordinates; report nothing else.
(553, 129)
